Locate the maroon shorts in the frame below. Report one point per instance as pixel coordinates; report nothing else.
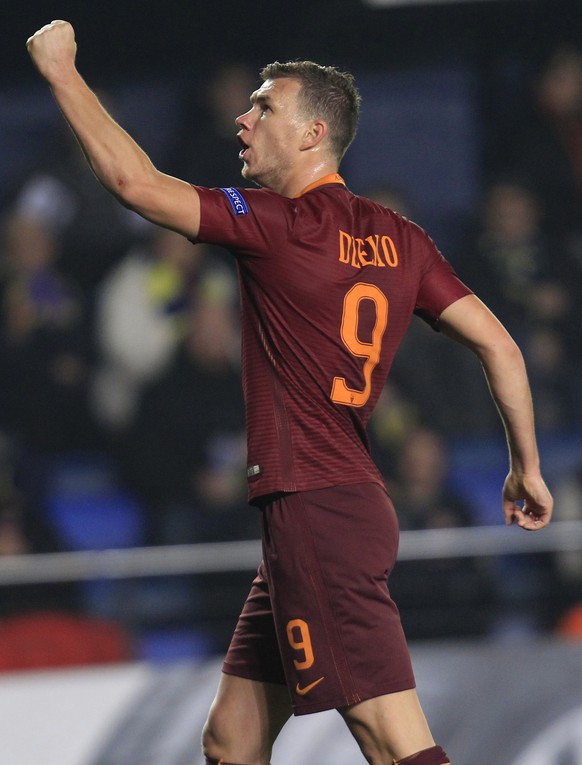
(319, 617)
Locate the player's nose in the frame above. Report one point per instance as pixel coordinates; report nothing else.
(244, 120)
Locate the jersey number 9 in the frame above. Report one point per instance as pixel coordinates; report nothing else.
(341, 393)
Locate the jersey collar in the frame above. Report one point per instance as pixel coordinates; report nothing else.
(331, 178)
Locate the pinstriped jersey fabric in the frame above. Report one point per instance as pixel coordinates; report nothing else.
(329, 283)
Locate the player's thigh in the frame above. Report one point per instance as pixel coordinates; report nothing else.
(247, 715)
(393, 723)
(328, 553)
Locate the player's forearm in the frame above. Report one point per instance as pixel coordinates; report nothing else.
(118, 162)
(471, 323)
(115, 158)
(507, 379)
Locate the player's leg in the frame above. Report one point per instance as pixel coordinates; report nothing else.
(244, 721)
(252, 702)
(393, 727)
(346, 642)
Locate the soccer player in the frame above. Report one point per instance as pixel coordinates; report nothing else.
(329, 283)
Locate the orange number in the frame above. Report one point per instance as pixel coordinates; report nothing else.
(340, 392)
(303, 644)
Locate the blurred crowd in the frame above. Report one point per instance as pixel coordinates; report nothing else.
(119, 344)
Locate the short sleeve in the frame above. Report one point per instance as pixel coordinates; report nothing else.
(439, 286)
(243, 220)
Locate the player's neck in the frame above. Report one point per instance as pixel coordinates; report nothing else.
(295, 183)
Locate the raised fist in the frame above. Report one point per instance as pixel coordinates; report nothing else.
(53, 49)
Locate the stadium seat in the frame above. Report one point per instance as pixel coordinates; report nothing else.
(88, 509)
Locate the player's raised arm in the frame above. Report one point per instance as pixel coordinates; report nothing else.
(526, 498)
(115, 158)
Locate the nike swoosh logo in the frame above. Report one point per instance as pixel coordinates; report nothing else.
(302, 691)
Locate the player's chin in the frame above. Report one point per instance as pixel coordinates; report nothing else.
(255, 178)
(247, 172)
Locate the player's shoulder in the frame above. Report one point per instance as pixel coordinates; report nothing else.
(368, 203)
(369, 206)
(244, 202)
(404, 230)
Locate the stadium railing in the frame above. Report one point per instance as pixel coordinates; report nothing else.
(245, 555)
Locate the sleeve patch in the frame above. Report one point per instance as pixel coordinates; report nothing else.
(238, 204)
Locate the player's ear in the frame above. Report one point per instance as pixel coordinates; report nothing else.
(315, 132)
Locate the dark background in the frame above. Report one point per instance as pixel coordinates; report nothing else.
(124, 38)
(446, 88)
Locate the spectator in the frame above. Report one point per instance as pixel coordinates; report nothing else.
(393, 418)
(42, 624)
(45, 355)
(516, 266)
(515, 263)
(442, 598)
(24, 530)
(209, 121)
(184, 450)
(546, 146)
(141, 315)
(450, 395)
(63, 198)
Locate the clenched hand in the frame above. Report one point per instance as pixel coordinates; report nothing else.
(535, 511)
(53, 50)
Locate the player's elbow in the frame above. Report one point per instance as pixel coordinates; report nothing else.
(134, 190)
(122, 190)
(500, 347)
(129, 180)
(128, 188)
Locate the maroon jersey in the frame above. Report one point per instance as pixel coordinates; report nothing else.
(329, 283)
